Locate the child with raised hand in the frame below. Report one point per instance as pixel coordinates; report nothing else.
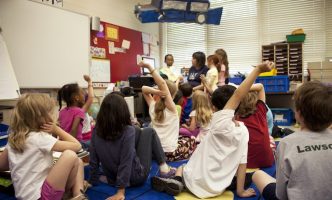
(200, 117)
(165, 118)
(223, 152)
(123, 151)
(72, 116)
(252, 112)
(28, 154)
(303, 158)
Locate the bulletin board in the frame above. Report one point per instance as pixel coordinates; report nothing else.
(100, 70)
(123, 62)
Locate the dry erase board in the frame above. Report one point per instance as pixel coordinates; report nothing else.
(48, 46)
(100, 70)
(8, 84)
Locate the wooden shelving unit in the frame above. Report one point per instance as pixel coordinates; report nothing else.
(288, 58)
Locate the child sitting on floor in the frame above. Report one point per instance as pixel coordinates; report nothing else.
(223, 152)
(186, 101)
(252, 112)
(72, 116)
(165, 119)
(28, 154)
(200, 117)
(123, 151)
(303, 158)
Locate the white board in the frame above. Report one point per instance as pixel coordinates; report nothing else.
(48, 46)
(8, 84)
(100, 70)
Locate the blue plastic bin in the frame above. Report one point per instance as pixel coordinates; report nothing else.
(274, 83)
(283, 116)
(3, 134)
(236, 80)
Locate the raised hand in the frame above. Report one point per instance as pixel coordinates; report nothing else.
(87, 78)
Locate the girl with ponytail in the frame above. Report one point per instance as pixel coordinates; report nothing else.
(165, 118)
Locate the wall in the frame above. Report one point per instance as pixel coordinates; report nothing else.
(117, 12)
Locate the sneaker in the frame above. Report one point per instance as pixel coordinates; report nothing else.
(168, 185)
(169, 174)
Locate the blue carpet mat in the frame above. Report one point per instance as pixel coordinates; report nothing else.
(103, 191)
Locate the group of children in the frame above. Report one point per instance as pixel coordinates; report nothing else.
(221, 129)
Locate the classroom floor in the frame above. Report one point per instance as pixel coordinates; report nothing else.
(145, 192)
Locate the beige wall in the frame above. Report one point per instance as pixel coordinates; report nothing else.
(118, 12)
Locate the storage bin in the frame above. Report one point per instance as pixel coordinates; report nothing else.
(3, 134)
(282, 116)
(295, 38)
(236, 80)
(274, 83)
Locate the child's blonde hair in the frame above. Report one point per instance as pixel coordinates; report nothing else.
(202, 105)
(30, 113)
(160, 105)
(248, 104)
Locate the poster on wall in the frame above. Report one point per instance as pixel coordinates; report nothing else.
(112, 33)
(97, 52)
(100, 70)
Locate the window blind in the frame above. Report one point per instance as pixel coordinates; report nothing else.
(328, 21)
(248, 24)
(280, 18)
(182, 40)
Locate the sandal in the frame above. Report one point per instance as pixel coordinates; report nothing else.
(80, 196)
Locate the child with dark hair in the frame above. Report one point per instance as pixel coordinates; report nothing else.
(71, 117)
(303, 158)
(223, 152)
(252, 112)
(123, 151)
(168, 70)
(198, 68)
(186, 101)
(165, 118)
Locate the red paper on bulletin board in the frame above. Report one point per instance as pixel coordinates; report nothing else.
(112, 32)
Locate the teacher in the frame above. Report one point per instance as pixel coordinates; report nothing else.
(198, 68)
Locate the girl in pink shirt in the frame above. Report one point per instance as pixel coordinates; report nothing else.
(222, 67)
(71, 117)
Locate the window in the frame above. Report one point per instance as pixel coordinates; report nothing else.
(280, 18)
(248, 24)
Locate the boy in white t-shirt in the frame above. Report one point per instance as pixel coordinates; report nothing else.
(223, 152)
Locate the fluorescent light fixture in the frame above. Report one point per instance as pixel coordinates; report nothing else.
(199, 7)
(177, 5)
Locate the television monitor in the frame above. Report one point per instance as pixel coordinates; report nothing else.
(150, 61)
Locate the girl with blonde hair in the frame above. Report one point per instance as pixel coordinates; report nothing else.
(28, 154)
(200, 117)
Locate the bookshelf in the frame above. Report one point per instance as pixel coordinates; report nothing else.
(288, 58)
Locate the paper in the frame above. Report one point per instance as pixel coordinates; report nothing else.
(120, 50)
(100, 70)
(146, 49)
(279, 117)
(130, 103)
(125, 44)
(111, 49)
(97, 52)
(146, 38)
